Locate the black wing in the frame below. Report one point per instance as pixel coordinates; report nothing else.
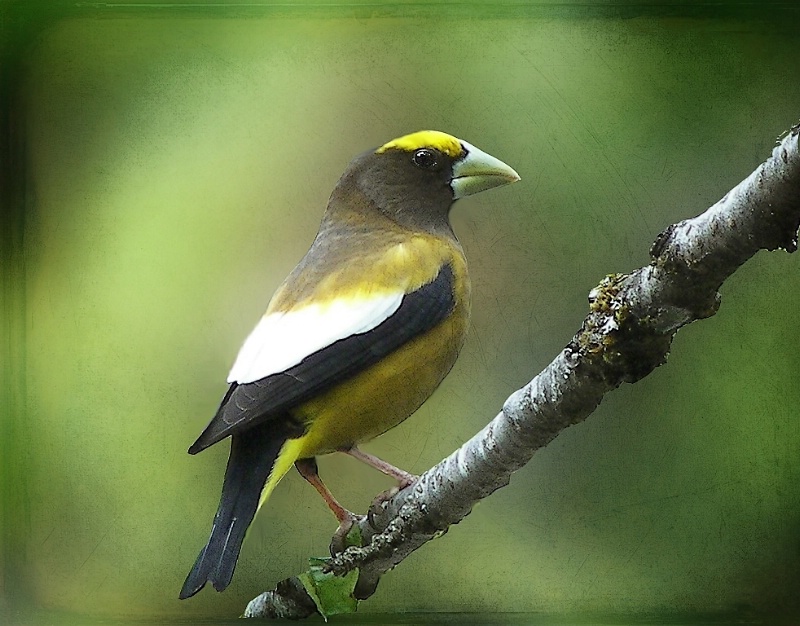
(247, 405)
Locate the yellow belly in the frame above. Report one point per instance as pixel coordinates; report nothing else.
(385, 394)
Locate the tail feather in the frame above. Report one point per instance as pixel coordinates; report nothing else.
(253, 454)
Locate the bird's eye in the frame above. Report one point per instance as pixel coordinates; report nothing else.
(424, 158)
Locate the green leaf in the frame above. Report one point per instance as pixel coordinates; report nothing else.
(333, 595)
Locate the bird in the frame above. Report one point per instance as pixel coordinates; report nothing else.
(358, 336)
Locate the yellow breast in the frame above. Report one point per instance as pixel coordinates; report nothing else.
(386, 393)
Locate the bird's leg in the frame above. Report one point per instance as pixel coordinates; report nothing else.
(308, 470)
(401, 476)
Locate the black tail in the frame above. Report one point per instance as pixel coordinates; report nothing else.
(253, 453)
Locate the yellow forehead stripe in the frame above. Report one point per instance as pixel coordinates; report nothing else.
(425, 139)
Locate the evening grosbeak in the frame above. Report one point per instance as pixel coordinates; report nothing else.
(355, 339)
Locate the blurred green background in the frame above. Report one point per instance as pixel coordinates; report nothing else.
(172, 165)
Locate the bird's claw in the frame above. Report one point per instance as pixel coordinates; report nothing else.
(384, 496)
(339, 540)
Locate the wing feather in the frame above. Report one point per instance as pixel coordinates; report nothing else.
(247, 404)
(283, 339)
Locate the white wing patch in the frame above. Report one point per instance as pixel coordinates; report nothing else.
(281, 340)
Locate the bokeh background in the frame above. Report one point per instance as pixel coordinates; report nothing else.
(171, 166)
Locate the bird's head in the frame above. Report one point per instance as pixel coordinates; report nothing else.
(466, 169)
(416, 178)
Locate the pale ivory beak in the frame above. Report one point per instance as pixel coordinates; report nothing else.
(479, 171)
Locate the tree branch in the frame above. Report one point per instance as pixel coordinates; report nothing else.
(632, 320)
